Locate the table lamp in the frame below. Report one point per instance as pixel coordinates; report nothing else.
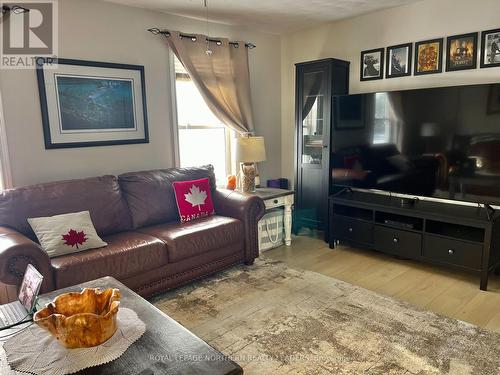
(249, 150)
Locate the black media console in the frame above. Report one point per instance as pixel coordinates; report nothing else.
(459, 236)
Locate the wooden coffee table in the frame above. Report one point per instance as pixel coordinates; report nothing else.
(165, 348)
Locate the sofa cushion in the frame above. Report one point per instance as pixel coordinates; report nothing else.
(185, 240)
(101, 196)
(194, 199)
(150, 195)
(67, 233)
(127, 254)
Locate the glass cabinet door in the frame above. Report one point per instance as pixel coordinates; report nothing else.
(313, 95)
(316, 83)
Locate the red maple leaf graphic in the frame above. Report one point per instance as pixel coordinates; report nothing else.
(74, 238)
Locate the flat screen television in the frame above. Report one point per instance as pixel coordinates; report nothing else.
(436, 142)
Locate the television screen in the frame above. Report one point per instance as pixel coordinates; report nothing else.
(437, 142)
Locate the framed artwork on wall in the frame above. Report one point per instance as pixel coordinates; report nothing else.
(490, 48)
(429, 56)
(461, 52)
(87, 103)
(399, 60)
(372, 64)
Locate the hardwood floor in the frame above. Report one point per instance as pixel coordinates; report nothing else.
(447, 292)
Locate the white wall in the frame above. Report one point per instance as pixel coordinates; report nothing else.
(100, 31)
(346, 39)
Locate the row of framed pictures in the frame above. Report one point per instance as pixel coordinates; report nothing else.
(461, 54)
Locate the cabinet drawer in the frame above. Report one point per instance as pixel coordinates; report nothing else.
(274, 202)
(464, 254)
(352, 230)
(398, 242)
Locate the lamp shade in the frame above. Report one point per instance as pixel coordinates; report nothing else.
(250, 149)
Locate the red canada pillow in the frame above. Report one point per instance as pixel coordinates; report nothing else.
(193, 199)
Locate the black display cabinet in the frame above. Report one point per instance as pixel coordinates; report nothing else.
(316, 84)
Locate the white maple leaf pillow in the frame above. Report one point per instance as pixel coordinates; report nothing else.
(194, 199)
(66, 233)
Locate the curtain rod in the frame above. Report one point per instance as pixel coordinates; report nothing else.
(166, 34)
(16, 9)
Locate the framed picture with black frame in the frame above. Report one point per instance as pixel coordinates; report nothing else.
(88, 103)
(461, 52)
(490, 49)
(372, 64)
(428, 57)
(399, 59)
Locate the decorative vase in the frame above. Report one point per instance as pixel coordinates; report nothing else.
(231, 182)
(249, 173)
(81, 320)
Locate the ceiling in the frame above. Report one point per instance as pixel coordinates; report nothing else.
(272, 16)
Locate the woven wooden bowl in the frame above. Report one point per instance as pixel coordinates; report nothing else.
(81, 320)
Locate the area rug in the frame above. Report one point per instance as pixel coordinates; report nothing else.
(272, 319)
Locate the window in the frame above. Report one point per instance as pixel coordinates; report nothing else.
(203, 139)
(386, 128)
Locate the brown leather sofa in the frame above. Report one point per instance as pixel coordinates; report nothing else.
(148, 250)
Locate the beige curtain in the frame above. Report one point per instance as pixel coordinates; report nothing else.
(223, 77)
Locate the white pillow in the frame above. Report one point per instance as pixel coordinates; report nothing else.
(68, 233)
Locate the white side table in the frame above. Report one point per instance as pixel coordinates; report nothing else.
(274, 198)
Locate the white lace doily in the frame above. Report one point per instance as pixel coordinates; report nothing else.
(36, 351)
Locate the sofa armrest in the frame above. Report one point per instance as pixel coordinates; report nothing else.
(16, 252)
(247, 208)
